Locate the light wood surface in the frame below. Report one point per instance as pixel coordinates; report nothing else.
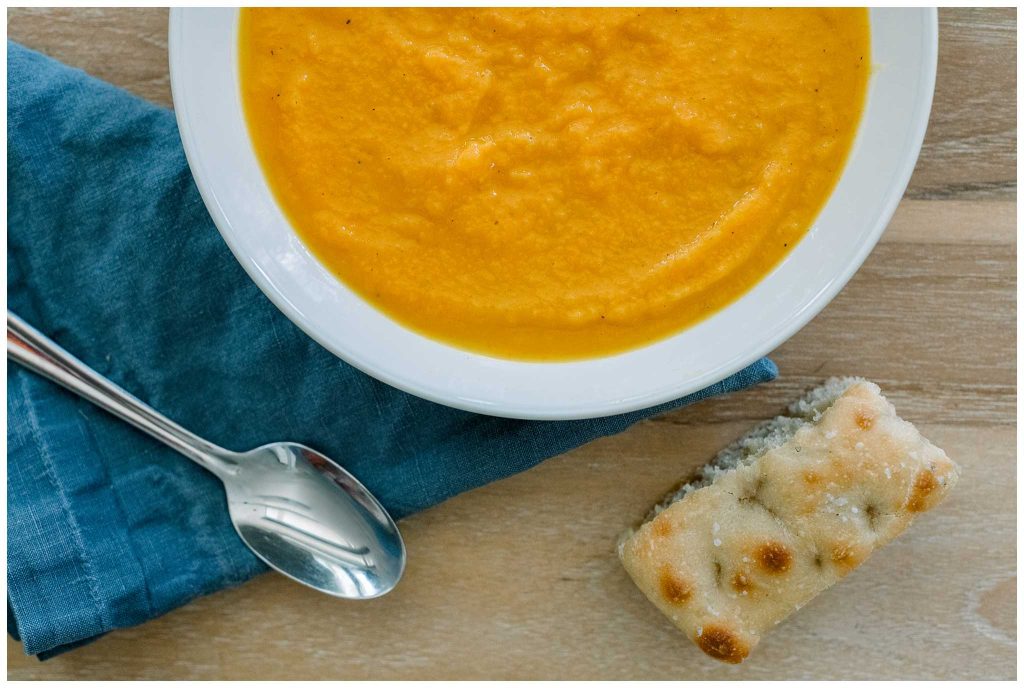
(519, 579)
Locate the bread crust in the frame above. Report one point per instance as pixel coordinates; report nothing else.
(733, 559)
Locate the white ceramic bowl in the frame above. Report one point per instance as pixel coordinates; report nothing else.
(204, 81)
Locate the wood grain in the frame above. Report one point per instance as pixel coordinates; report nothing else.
(519, 580)
(970, 150)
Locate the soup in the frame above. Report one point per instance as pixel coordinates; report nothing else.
(552, 184)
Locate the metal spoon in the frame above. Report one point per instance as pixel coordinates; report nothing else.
(300, 512)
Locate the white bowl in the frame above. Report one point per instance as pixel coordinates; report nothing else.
(204, 79)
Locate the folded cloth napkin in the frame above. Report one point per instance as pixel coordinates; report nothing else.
(111, 252)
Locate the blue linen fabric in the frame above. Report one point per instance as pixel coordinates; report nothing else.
(110, 252)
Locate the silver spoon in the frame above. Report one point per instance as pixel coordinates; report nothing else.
(300, 512)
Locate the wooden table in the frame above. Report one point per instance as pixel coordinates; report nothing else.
(519, 579)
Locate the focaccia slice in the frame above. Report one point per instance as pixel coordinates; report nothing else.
(782, 514)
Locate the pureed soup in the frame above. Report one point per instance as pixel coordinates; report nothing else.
(550, 184)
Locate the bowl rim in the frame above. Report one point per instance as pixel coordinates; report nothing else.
(553, 409)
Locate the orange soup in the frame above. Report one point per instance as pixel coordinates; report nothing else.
(551, 184)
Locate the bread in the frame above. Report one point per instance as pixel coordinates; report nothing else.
(782, 514)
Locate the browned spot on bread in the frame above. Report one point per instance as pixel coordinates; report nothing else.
(774, 557)
(846, 557)
(864, 420)
(721, 643)
(811, 478)
(924, 485)
(741, 583)
(673, 588)
(661, 527)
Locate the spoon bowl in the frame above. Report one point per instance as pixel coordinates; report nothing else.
(310, 519)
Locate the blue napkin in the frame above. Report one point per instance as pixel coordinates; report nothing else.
(111, 252)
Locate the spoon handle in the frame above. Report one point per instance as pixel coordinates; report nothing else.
(37, 352)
